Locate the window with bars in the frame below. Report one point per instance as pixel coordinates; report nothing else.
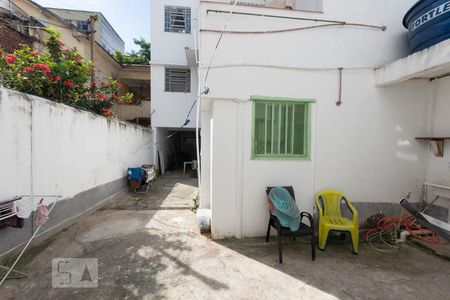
(281, 128)
(178, 80)
(177, 19)
(83, 26)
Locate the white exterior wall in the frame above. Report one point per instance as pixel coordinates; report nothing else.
(438, 170)
(365, 147)
(170, 109)
(73, 150)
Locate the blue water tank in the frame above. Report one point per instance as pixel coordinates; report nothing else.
(428, 23)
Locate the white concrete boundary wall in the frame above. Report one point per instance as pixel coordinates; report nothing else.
(72, 150)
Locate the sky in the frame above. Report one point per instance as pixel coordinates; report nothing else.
(130, 18)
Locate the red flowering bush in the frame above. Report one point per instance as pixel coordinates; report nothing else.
(61, 75)
(11, 58)
(101, 97)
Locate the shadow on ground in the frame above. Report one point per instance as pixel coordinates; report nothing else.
(170, 191)
(408, 274)
(149, 253)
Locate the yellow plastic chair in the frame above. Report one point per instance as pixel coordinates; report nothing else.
(330, 217)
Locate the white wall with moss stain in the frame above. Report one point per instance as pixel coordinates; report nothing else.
(72, 150)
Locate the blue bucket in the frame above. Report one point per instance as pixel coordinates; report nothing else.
(428, 23)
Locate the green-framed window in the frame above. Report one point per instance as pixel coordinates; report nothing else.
(281, 128)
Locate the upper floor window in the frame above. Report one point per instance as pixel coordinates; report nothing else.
(177, 19)
(177, 80)
(83, 26)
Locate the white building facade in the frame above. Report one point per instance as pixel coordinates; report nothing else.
(294, 101)
(174, 84)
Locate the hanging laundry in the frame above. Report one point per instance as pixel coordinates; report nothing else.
(41, 214)
(24, 207)
(6, 208)
(7, 205)
(14, 221)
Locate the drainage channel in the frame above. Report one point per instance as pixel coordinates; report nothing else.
(168, 208)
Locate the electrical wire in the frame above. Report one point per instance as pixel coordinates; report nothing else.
(290, 29)
(298, 18)
(288, 67)
(219, 40)
(186, 122)
(206, 91)
(49, 2)
(387, 231)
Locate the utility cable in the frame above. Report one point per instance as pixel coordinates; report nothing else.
(206, 90)
(186, 121)
(220, 39)
(291, 29)
(298, 18)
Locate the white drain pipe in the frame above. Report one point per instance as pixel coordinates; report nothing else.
(404, 234)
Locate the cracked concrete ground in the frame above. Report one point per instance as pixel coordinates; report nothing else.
(145, 253)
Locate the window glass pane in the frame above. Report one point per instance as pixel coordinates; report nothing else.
(177, 19)
(177, 80)
(269, 129)
(289, 129)
(282, 129)
(260, 115)
(299, 127)
(275, 128)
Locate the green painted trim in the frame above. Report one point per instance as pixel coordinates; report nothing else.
(253, 129)
(280, 157)
(281, 99)
(308, 132)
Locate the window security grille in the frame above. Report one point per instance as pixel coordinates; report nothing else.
(178, 80)
(83, 26)
(177, 19)
(281, 130)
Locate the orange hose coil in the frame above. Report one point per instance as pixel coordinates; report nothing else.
(407, 222)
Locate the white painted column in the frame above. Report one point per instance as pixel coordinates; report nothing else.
(224, 156)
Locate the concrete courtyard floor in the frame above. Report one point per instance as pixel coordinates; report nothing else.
(148, 253)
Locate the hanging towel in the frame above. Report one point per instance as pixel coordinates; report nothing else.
(41, 214)
(285, 208)
(24, 207)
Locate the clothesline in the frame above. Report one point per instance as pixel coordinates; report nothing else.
(27, 208)
(25, 248)
(17, 197)
(12, 214)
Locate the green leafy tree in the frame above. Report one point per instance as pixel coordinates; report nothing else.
(140, 57)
